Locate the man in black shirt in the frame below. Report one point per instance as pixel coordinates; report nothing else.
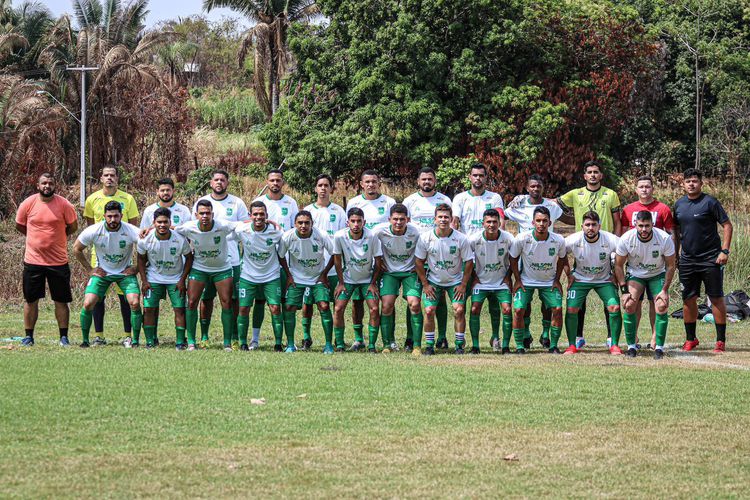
(702, 256)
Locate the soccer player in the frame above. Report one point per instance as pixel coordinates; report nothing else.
(662, 217)
(491, 249)
(650, 257)
(165, 194)
(421, 205)
(213, 244)
(164, 261)
(592, 197)
(542, 258)
(224, 207)
(261, 272)
(521, 211)
(703, 255)
(93, 213)
(592, 251)
(114, 240)
(302, 255)
(358, 257)
(469, 206)
(282, 209)
(448, 256)
(398, 241)
(46, 219)
(328, 218)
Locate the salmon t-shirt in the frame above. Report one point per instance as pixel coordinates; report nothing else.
(46, 241)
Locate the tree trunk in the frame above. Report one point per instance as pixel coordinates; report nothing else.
(698, 113)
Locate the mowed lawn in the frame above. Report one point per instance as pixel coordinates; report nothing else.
(122, 423)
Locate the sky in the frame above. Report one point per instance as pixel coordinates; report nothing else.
(160, 10)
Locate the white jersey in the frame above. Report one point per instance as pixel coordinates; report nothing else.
(114, 249)
(180, 214)
(166, 258)
(232, 209)
(398, 251)
(212, 247)
(444, 256)
(357, 256)
(422, 209)
(646, 258)
(538, 258)
(592, 261)
(521, 211)
(328, 220)
(376, 211)
(305, 256)
(260, 257)
(282, 211)
(491, 260)
(470, 209)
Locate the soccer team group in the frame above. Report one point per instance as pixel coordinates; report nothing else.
(437, 253)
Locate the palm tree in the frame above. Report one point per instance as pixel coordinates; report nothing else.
(22, 32)
(268, 40)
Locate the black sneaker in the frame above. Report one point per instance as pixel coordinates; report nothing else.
(84, 345)
(429, 351)
(505, 350)
(545, 342)
(554, 350)
(460, 350)
(658, 354)
(372, 350)
(278, 348)
(357, 346)
(474, 350)
(64, 342)
(244, 347)
(520, 351)
(150, 346)
(156, 341)
(27, 342)
(180, 347)
(99, 340)
(134, 345)
(306, 344)
(340, 349)
(632, 352)
(442, 344)
(409, 345)
(527, 342)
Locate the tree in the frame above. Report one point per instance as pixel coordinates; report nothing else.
(22, 32)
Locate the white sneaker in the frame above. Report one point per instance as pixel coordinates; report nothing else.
(254, 345)
(496, 345)
(191, 347)
(127, 343)
(394, 347)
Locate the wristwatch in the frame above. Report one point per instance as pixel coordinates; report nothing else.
(725, 251)
(624, 288)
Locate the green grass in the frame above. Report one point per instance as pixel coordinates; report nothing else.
(232, 109)
(114, 422)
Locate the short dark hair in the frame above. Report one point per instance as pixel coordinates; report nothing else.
(324, 176)
(644, 216)
(220, 171)
(491, 212)
(204, 203)
(165, 181)
(369, 171)
(47, 175)
(162, 212)
(111, 167)
(426, 170)
(399, 208)
(258, 204)
(535, 177)
(443, 207)
(592, 163)
(692, 172)
(478, 166)
(355, 211)
(543, 211)
(303, 213)
(591, 215)
(113, 205)
(645, 178)
(275, 171)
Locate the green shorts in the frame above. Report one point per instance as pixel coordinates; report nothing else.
(99, 286)
(356, 292)
(578, 292)
(439, 290)
(297, 294)
(502, 296)
(551, 297)
(270, 291)
(408, 282)
(209, 278)
(160, 291)
(333, 281)
(654, 284)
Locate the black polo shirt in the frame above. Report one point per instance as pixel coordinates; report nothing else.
(696, 220)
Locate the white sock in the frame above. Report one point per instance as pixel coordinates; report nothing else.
(459, 337)
(429, 336)
(577, 338)
(256, 334)
(660, 348)
(631, 346)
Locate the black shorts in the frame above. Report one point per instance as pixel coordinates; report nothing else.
(710, 275)
(58, 278)
(647, 293)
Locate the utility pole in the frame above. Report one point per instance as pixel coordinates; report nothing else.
(83, 70)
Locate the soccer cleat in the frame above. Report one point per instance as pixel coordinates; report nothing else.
(278, 348)
(84, 345)
(27, 342)
(527, 341)
(134, 346)
(306, 344)
(356, 346)
(554, 350)
(291, 348)
(244, 347)
(228, 348)
(416, 351)
(580, 342)
(609, 343)
(64, 342)
(254, 345)
(150, 346)
(156, 341)
(191, 347)
(571, 350)
(520, 351)
(235, 345)
(505, 350)
(204, 343)
(615, 350)
(459, 351)
(474, 350)
(442, 344)
(495, 344)
(180, 347)
(720, 348)
(328, 349)
(340, 349)
(386, 350)
(127, 343)
(632, 352)
(372, 350)
(394, 347)
(429, 351)
(99, 340)
(689, 345)
(658, 354)
(545, 342)
(408, 345)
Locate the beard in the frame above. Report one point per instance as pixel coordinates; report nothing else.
(47, 193)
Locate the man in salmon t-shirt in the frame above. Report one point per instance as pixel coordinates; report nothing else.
(661, 214)
(47, 220)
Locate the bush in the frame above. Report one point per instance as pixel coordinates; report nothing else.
(233, 109)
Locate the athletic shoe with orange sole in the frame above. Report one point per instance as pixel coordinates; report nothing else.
(720, 348)
(689, 345)
(615, 350)
(571, 350)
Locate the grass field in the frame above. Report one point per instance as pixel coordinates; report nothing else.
(121, 423)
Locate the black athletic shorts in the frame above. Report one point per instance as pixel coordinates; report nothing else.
(58, 278)
(710, 275)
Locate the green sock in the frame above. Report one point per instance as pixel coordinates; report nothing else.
(417, 325)
(290, 323)
(372, 334)
(235, 330)
(495, 313)
(136, 320)
(545, 328)
(507, 329)
(191, 320)
(571, 327)
(441, 316)
(660, 325)
(526, 331)
(338, 332)
(358, 333)
(518, 336)
(555, 332)
(306, 325)
(180, 334)
(227, 318)
(409, 325)
(86, 319)
(629, 324)
(326, 319)
(150, 332)
(205, 325)
(259, 314)
(277, 323)
(474, 321)
(386, 326)
(615, 326)
(243, 325)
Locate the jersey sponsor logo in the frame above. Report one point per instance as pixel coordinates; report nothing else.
(444, 264)
(400, 259)
(358, 262)
(259, 256)
(497, 266)
(209, 254)
(541, 266)
(113, 258)
(217, 239)
(309, 263)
